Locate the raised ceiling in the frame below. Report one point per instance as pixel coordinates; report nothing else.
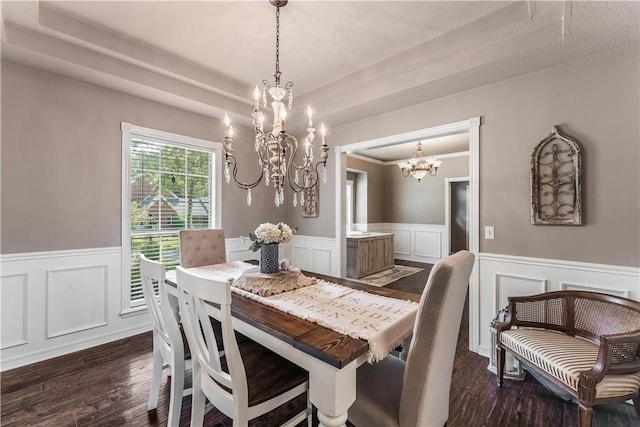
(348, 59)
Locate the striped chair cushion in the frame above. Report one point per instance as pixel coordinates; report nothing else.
(564, 357)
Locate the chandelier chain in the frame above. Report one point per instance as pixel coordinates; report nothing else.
(277, 74)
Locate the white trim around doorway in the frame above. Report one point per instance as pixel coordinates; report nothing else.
(472, 126)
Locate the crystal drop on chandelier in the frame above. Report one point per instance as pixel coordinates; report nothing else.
(249, 197)
(295, 200)
(266, 176)
(324, 175)
(226, 173)
(297, 178)
(302, 198)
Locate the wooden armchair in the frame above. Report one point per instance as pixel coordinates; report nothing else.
(586, 343)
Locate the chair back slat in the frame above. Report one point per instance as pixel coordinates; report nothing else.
(195, 293)
(165, 323)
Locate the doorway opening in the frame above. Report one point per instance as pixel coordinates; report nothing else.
(472, 127)
(457, 213)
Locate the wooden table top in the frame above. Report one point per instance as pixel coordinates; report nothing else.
(322, 343)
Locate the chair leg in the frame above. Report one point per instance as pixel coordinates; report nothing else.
(310, 411)
(198, 401)
(636, 404)
(155, 378)
(175, 401)
(585, 415)
(501, 358)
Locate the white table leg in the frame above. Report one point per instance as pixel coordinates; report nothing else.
(329, 421)
(332, 391)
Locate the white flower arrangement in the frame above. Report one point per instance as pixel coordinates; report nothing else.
(268, 233)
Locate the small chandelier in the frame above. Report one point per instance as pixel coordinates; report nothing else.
(277, 149)
(419, 167)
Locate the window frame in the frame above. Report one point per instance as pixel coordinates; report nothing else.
(130, 131)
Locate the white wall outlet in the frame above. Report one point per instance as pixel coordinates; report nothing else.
(489, 232)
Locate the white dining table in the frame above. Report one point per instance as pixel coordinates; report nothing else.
(330, 358)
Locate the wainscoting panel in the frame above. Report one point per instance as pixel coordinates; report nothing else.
(13, 310)
(427, 244)
(314, 254)
(416, 242)
(401, 242)
(503, 276)
(300, 257)
(590, 288)
(58, 302)
(511, 285)
(65, 288)
(238, 249)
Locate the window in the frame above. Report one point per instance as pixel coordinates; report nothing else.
(170, 182)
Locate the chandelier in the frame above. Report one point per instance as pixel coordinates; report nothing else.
(419, 167)
(276, 149)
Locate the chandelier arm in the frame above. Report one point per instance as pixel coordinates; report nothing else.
(231, 160)
(298, 188)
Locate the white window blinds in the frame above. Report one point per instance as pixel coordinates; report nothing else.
(171, 188)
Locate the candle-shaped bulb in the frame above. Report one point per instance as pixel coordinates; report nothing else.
(310, 114)
(227, 120)
(323, 132)
(256, 97)
(230, 131)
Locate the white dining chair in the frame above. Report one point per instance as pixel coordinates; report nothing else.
(416, 392)
(249, 380)
(168, 346)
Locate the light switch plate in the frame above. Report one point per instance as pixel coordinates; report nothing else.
(489, 232)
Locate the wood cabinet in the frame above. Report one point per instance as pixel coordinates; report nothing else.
(368, 254)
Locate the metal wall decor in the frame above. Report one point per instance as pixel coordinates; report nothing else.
(555, 181)
(311, 202)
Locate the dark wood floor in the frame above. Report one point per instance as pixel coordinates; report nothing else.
(109, 385)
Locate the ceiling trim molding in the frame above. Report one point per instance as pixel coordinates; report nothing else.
(130, 50)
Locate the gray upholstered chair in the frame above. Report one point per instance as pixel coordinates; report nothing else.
(416, 392)
(202, 247)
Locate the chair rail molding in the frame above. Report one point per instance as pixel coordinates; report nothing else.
(504, 276)
(38, 294)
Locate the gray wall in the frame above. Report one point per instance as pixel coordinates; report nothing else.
(393, 198)
(61, 159)
(61, 162)
(373, 193)
(411, 202)
(594, 100)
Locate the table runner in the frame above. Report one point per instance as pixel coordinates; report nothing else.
(382, 321)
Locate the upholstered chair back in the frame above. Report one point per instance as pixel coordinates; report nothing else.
(202, 247)
(427, 375)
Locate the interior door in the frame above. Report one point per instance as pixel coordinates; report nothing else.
(459, 216)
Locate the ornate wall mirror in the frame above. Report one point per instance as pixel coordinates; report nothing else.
(555, 181)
